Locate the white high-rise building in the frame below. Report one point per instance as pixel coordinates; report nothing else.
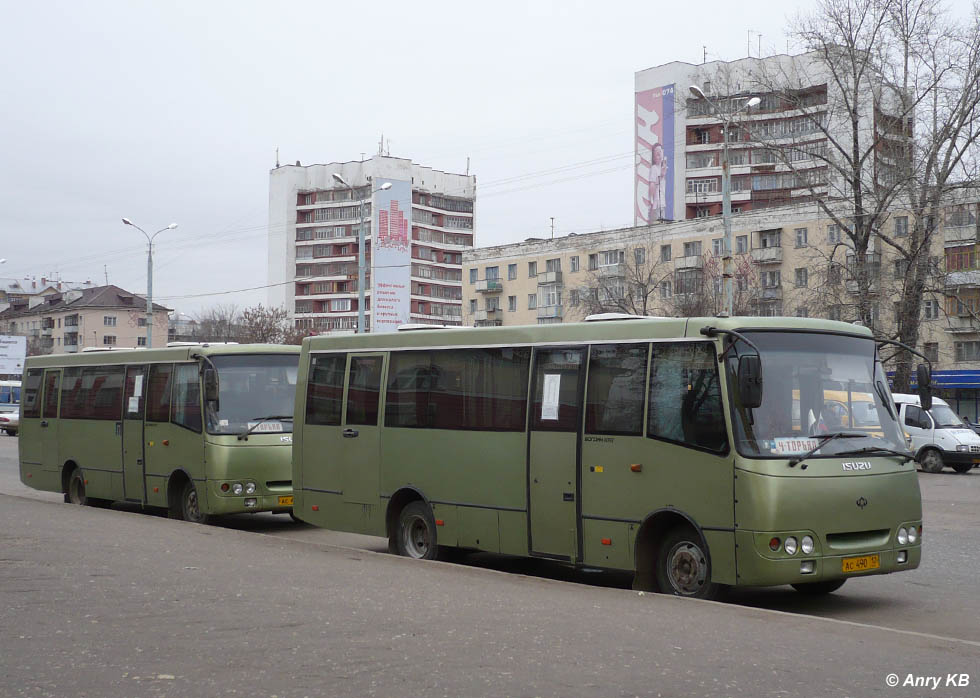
(413, 245)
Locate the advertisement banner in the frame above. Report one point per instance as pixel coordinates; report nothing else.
(13, 351)
(391, 256)
(654, 179)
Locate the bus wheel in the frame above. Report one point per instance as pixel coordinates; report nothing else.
(190, 505)
(932, 461)
(818, 588)
(683, 568)
(415, 535)
(962, 467)
(76, 488)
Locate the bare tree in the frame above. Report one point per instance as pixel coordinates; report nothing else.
(268, 325)
(219, 323)
(635, 285)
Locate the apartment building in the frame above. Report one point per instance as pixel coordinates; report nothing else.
(34, 290)
(679, 136)
(788, 261)
(413, 245)
(101, 316)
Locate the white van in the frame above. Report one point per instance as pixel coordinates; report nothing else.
(939, 436)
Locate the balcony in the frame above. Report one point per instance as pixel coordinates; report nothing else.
(610, 271)
(549, 277)
(549, 311)
(853, 286)
(69, 348)
(690, 262)
(489, 286)
(489, 314)
(959, 234)
(46, 331)
(771, 293)
(962, 324)
(767, 255)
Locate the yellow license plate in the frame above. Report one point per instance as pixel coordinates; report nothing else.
(287, 501)
(860, 564)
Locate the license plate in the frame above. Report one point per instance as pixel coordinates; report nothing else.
(860, 564)
(287, 501)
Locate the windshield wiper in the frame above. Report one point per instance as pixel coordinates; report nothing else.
(259, 420)
(906, 456)
(825, 438)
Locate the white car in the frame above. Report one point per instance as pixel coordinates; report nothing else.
(9, 423)
(939, 436)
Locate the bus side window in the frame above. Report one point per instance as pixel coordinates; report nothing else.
(614, 403)
(363, 390)
(187, 397)
(158, 393)
(32, 393)
(325, 391)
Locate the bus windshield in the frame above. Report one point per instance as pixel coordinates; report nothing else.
(814, 385)
(251, 389)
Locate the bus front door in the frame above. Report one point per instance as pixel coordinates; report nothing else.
(49, 420)
(134, 481)
(360, 446)
(554, 452)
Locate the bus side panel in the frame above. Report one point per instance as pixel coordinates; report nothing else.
(447, 520)
(156, 491)
(96, 447)
(721, 545)
(513, 532)
(479, 529)
(607, 544)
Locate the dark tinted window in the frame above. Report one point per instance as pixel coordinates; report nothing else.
(915, 417)
(72, 395)
(685, 396)
(617, 380)
(51, 381)
(31, 405)
(472, 389)
(325, 389)
(364, 390)
(556, 395)
(158, 393)
(104, 398)
(187, 397)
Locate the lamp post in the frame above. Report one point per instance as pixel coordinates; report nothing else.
(149, 276)
(726, 192)
(360, 248)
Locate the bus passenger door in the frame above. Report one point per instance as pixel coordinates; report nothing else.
(360, 447)
(134, 481)
(49, 420)
(555, 439)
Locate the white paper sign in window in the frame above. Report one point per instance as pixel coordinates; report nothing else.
(138, 386)
(549, 401)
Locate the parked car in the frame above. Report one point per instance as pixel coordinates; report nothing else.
(9, 423)
(939, 437)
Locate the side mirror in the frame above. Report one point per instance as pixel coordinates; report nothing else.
(750, 381)
(924, 379)
(211, 386)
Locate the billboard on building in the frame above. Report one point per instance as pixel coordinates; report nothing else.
(13, 350)
(654, 178)
(391, 256)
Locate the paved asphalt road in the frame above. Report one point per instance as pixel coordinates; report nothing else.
(113, 603)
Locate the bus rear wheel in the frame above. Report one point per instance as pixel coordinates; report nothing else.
(932, 461)
(75, 489)
(683, 568)
(415, 533)
(190, 505)
(819, 588)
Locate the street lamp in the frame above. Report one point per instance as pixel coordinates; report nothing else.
(149, 276)
(360, 248)
(726, 190)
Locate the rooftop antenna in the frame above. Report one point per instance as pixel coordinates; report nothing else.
(381, 144)
(760, 44)
(704, 54)
(105, 269)
(277, 156)
(467, 165)
(552, 227)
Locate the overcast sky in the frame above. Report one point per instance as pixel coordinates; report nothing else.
(172, 112)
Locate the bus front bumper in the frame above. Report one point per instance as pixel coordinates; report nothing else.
(756, 569)
(221, 503)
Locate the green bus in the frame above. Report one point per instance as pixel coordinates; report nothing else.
(200, 429)
(668, 447)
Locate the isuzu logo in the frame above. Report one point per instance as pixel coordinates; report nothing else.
(856, 465)
(861, 502)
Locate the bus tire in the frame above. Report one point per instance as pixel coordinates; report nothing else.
(415, 534)
(962, 467)
(75, 488)
(932, 461)
(190, 505)
(683, 565)
(819, 588)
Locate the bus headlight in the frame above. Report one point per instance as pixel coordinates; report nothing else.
(903, 536)
(806, 545)
(790, 546)
(249, 488)
(237, 488)
(913, 534)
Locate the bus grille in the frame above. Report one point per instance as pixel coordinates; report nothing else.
(279, 484)
(858, 540)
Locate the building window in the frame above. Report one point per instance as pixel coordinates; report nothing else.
(770, 238)
(931, 350)
(833, 234)
(802, 311)
(702, 212)
(718, 247)
(692, 249)
(493, 273)
(703, 185)
(532, 269)
(512, 303)
(109, 340)
(573, 262)
(640, 256)
(772, 309)
(109, 320)
(611, 257)
(593, 262)
(742, 244)
(769, 279)
(532, 301)
(552, 264)
(665, 253)
(472, 307)
(901, 226)
(930, 309)
(473, 274)
(665, 289)
(801, 277)
(573, 297)
(967, 351)
(141, 341)
(511, 271)
(801, 237)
